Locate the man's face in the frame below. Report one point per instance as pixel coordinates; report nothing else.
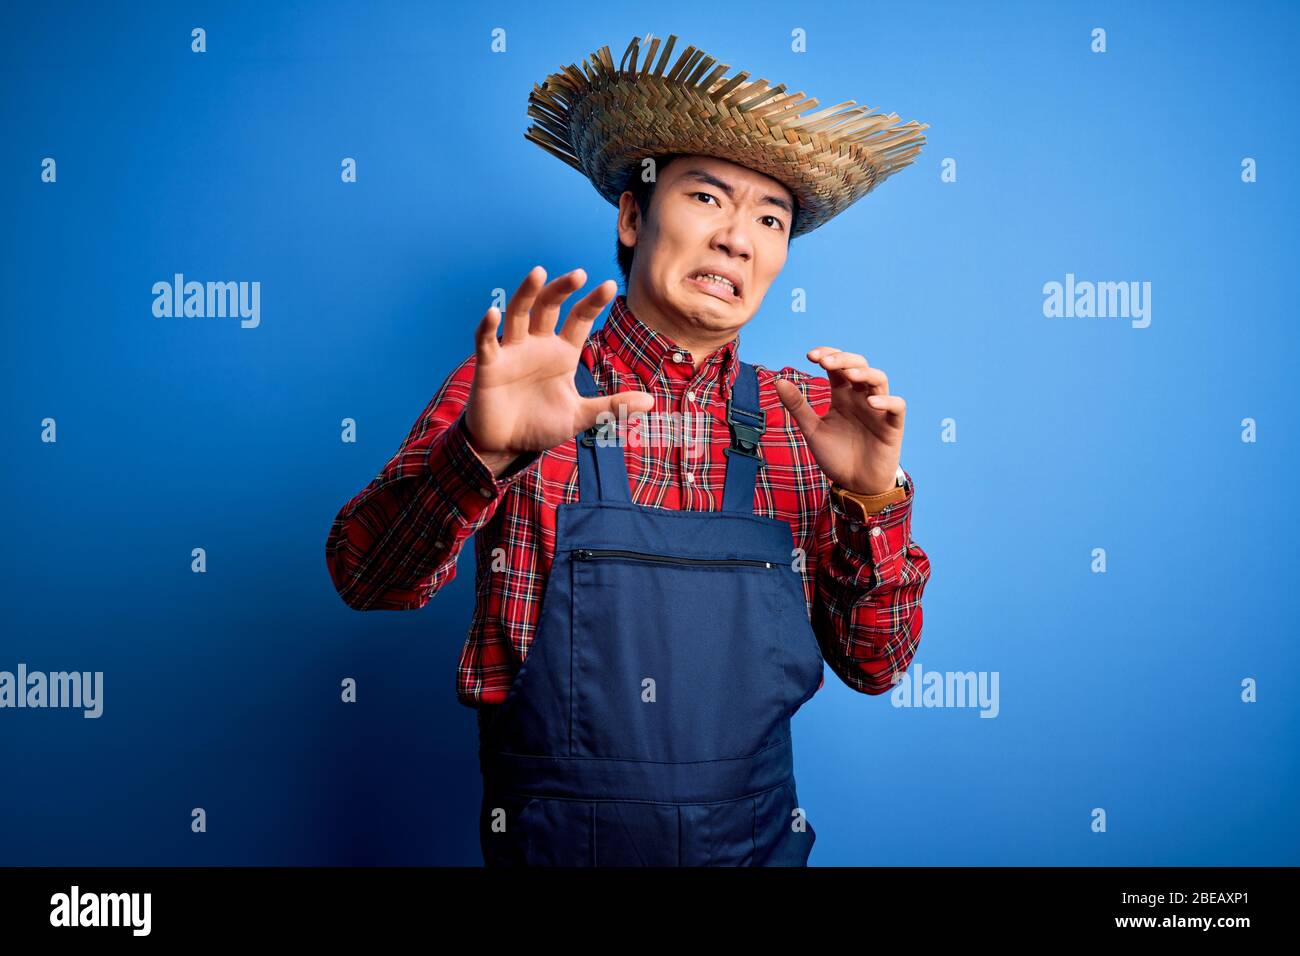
(708, 215)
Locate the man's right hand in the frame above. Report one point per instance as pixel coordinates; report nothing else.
(523, 398)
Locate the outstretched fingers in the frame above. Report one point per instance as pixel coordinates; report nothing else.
(517, 309)
(546, 310)
(486, 345)
(894, 407)
(866, 378)
(577, 324)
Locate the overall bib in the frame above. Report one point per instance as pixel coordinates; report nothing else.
(649, 724)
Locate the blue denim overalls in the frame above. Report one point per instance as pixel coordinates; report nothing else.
(649, 724)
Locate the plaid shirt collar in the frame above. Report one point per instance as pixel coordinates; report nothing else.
(649, 354)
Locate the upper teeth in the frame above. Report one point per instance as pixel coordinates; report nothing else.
(716, 278)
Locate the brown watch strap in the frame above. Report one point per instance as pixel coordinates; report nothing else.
(860, 507)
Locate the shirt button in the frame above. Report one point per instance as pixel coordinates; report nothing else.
(690, 396)
(679, 357)
(855, 525)
(485, 492)
(690, 476)
(875, 532)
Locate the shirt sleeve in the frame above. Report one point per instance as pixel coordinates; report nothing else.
(395, 544)
(868, 585)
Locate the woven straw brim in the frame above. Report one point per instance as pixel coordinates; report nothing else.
(603, 121)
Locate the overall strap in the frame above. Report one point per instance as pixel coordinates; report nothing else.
(745, 456)
(602, 472)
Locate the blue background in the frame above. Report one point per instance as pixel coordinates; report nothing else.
(1118, 690)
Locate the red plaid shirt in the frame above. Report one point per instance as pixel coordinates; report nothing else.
(396, 543)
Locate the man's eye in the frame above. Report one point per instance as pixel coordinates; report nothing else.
(710, 195)
(779, 223)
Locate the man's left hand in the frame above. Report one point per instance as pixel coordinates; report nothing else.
(858, 442)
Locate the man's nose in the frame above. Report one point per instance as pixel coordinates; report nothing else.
(734, 240)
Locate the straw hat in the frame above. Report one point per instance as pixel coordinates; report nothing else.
(604, 121)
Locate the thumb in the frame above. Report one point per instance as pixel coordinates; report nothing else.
(590, 409)
(792, 398)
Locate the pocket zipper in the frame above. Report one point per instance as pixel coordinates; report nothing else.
(586, 554)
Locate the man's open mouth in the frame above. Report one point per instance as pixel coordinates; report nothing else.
(724, 287)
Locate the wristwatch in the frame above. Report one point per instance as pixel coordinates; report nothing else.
(860, 507)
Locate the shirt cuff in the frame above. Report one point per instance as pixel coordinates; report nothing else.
(880, 542)
(464, 478)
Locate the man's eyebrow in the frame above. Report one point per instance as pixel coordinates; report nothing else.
(705, 177)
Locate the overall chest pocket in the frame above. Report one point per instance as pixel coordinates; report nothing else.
(676, 659)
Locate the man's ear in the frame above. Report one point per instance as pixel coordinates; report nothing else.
(629, 221)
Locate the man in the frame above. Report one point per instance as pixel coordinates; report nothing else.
(652, 613)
